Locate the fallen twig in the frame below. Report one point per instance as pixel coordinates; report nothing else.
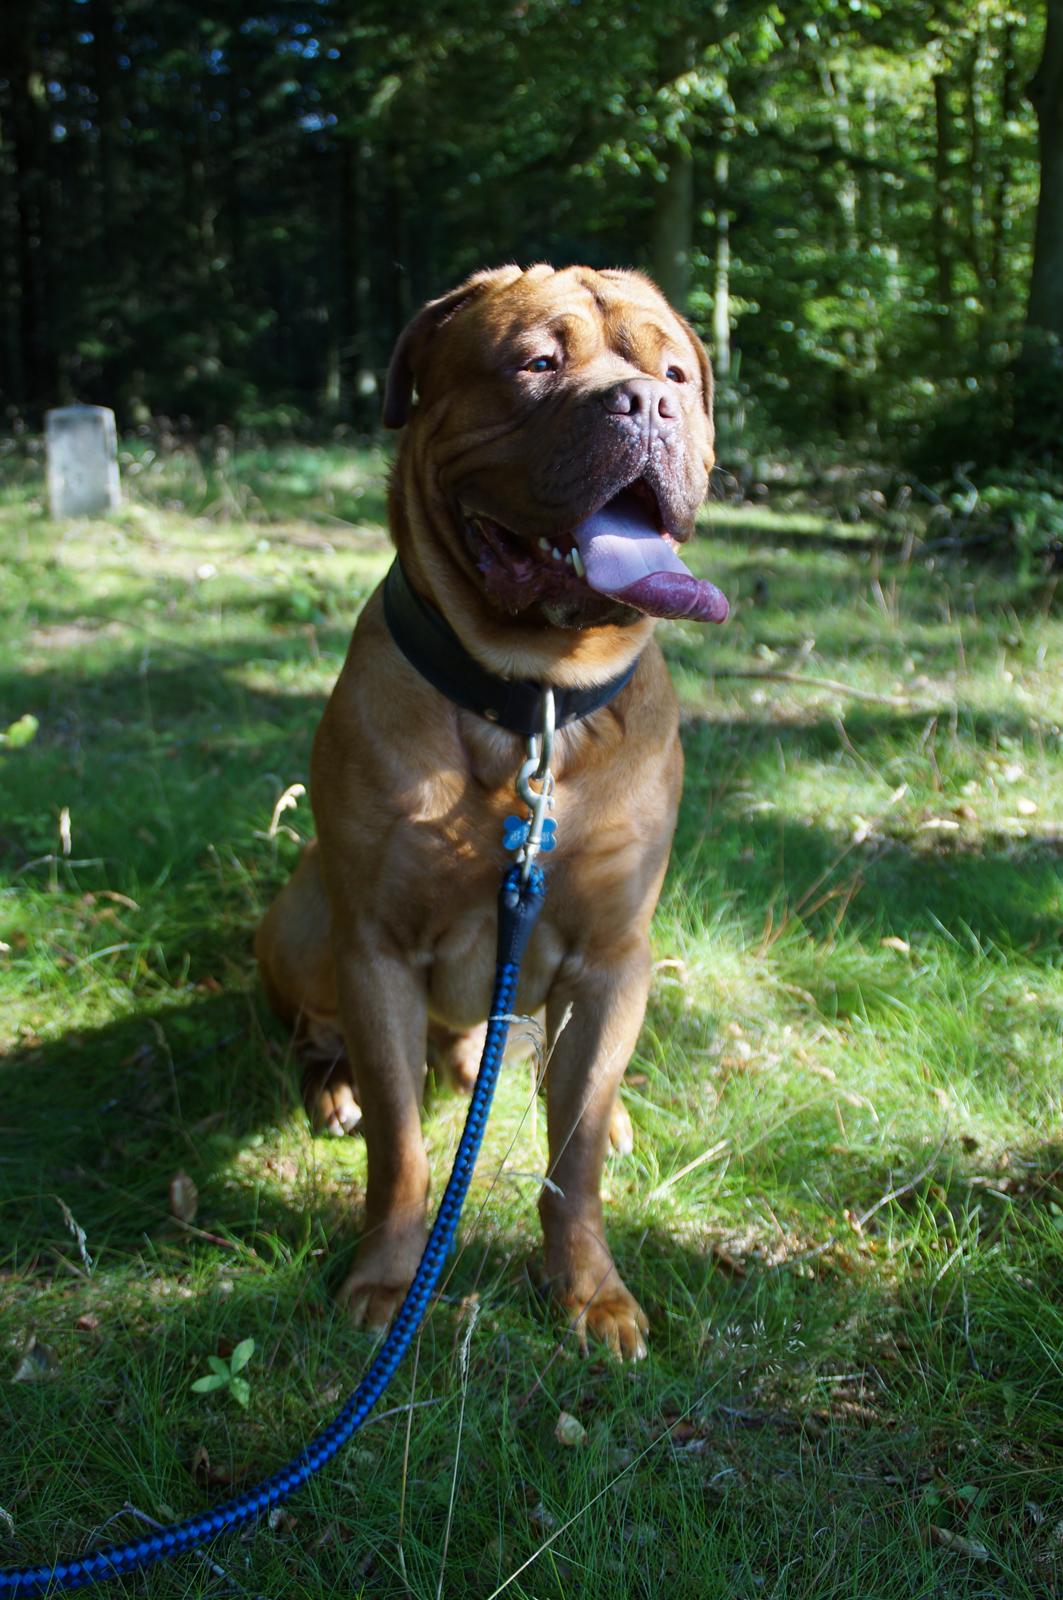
(211, 1238)
(958, 1543)
(859, 1223)
(710, 1154)
(802, 679)
(130, 1510)
(904, 1188)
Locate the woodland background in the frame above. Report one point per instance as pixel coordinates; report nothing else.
(222, 215)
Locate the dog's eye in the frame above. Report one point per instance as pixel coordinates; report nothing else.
(675, 375)
(540, 364)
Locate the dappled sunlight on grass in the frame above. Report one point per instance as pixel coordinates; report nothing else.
(843, 1207)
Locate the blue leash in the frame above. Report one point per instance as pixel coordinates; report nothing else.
(519, 903)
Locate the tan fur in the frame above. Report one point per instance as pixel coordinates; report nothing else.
(389, 921)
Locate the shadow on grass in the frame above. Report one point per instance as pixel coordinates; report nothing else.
(168, 777)
(774, 1487)
(728, 522)
(106, 1116)
(145, 755)
(819, 1400)
(103, 1119)
(169, 771)
(969, 892)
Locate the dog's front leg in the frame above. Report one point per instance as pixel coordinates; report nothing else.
(385, 1022)
(608, 1004)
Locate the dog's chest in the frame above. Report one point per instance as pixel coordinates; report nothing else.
(461, 966)
(602, 881)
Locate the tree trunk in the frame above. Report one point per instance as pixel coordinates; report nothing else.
(237, 146)
(944, 214)
(974, 186)
(29, 148)
(353, 360)
(673, 201)
(857, 345)
(673, 211)
(107, 246)
(999, 214)
(1044, 314)
(101, 18)
(9, 364)
(878, 234)
(721, 297)
(396, 295)
(871, 187)
(1037, 425)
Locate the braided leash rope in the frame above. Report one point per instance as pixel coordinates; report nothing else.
(519, 903)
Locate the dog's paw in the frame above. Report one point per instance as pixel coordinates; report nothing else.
(621, 1133)
(330, 1098)
(614, 1317)
(455, 1057)
(371, 1305)
(382, 1273)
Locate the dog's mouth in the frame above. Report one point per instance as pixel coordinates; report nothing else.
(622, 551)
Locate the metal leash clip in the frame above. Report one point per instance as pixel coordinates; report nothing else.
(536, 769)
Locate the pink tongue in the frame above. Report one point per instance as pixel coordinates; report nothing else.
(626, 558)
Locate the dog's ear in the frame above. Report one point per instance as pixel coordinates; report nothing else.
(409, 353)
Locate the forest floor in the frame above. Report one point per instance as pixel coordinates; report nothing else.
(844, 1209)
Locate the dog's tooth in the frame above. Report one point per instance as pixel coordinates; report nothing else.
(568, 557)
(577, 561)
(556, 553)
(544, 544)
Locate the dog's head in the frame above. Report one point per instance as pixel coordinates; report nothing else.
(559, 447)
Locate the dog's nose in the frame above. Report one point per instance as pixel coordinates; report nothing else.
(653, 404)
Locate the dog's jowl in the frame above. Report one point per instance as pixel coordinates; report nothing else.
(556, 445)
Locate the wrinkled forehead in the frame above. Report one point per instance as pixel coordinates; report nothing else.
(582, 311)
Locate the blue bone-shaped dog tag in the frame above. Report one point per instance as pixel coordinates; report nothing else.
(515, 833)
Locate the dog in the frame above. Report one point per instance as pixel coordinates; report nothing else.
(549, 470)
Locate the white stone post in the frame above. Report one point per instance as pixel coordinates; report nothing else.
(82, 462)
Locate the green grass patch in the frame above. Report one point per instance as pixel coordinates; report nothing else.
(844, 1211)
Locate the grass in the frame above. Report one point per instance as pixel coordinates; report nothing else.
(844, 1211)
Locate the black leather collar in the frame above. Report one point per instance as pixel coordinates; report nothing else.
(430, 644)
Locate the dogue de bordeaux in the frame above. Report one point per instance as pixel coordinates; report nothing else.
(557, 440)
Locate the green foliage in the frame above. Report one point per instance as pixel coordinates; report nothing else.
(1028, 508)
(21, 732)
(1038, 402)
(963, 426)
(224, 218)
(225, 1374)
